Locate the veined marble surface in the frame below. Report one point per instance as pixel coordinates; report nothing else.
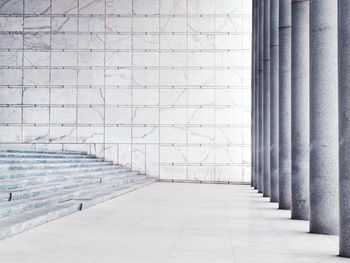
(161, 86)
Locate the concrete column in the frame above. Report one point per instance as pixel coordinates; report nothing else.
(300, 110)
(254, 84)
(252, 96)
(266, 98)
(274, 97)
(344, 128)
(285, 166)
(256, 65)
(261, 96)
(324, 166)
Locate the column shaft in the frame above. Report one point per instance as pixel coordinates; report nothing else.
(285, 104)
(266, 192)
(261, 96)
(300, 110)
(256, 65)
(344, 128)
(324, 167)
(252, 95)
(274, 97)
(253, 106)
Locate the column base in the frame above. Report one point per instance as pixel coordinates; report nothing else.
(323, 230)
(283, 207)
(300, 214)
(273, 198)
(299, 217)
(344, 251)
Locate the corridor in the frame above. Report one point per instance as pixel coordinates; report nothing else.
(168, 222)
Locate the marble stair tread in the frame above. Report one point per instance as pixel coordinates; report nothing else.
(42, 155)
(14, 183)
(43, 151)
(16, 224)
(26, 166)
(94, 199)
(39, 186)
(27, 192)
(19, 206)
(8, 174)
(6, 160)
(10, 226)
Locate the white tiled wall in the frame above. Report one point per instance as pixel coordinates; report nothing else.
(162, 86)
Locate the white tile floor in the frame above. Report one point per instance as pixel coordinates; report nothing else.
(170, 223)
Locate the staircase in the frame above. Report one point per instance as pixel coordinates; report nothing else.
(40, 186)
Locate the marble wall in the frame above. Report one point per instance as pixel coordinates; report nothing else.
(162, 86)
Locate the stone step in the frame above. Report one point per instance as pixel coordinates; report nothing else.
(19, 206)
(47, 160)
(42, 155)
(9, 174)
(26, 166)
(39, 186)
(94, 199)
(41, 151)
(16, 183)
(16, 224)
(27, 192)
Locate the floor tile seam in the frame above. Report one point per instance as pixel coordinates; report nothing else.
(277, 231)
(230, 232)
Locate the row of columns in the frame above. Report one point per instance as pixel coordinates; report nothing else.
(301, 112)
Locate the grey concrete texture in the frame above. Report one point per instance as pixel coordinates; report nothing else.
(256, 103)
(274, 100)
(261, 97)
(253, 125)
(266, 191)
(324, 167)
(285, 104)
(344, 129)
(300, 110)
